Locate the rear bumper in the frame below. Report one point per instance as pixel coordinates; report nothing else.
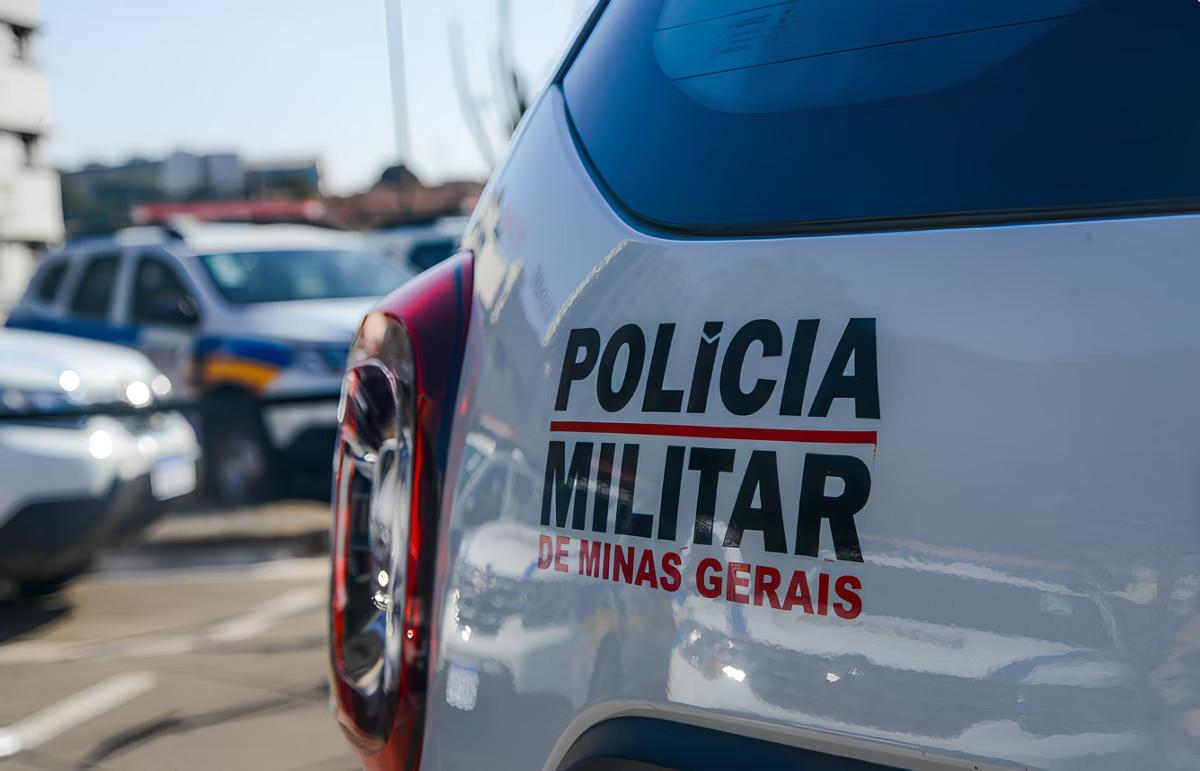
(46, 538)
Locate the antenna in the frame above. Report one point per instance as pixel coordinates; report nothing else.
(395, 36)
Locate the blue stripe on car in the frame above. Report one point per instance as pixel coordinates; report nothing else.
(245, 348)
(126, 334)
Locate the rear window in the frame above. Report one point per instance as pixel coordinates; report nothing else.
(95, 289)
(745, 116)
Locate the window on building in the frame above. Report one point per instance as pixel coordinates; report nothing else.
(29, 147)
(94, 293)
(22, 43)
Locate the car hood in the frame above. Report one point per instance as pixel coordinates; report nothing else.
(36, 361)
(334, 321)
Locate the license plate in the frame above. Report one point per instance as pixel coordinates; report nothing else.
(172, 477)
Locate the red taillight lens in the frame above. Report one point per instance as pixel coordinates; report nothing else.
(401, 381)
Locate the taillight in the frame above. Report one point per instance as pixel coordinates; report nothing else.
(397, 403)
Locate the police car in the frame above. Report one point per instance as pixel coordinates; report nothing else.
(237, 315)
(815, 389)
(73, 482)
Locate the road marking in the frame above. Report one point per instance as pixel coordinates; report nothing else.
(294, 569)
(43, 726)
(37, 652)
(243, 627)
(145, 646)
(263, 617)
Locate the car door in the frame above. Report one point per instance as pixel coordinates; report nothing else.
(855, 345)
(41, 306)
(91, 308)
(163, 307)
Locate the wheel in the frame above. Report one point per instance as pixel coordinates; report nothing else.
(238, 456)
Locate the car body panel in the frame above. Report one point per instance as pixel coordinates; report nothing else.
(70, 485)
(1030, 545)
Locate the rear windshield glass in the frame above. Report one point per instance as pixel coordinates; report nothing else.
(280, 276)
(741, 115)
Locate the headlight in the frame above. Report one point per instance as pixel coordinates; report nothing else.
(72, 396)
(160, 385)
(16, 400)
(69, 380)
(19, 401)
(137, 394)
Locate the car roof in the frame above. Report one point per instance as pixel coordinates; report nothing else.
(222, 237)
(245, 237)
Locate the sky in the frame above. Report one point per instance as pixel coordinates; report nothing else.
(278, 79)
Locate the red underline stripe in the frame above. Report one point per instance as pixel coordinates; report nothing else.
(799, 435)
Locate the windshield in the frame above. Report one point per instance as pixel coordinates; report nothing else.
(280, 276)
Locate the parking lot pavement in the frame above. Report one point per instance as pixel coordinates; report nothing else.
(161, 666)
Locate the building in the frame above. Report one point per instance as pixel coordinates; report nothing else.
(184, 175)
(400, 198)
(98, 198)
(30, 206)
(288, 179)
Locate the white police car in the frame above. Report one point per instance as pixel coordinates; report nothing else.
(72, 483)
(852, 349)
(236, 315)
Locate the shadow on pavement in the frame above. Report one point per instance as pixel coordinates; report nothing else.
(148, 732)
(23, 616)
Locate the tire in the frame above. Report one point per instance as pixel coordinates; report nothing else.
(239, 462)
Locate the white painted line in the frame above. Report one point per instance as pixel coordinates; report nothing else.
(294, 569)
(38, 652)
(43, 726)
(138, 647)
(244, 627)
(146, 647)
(263, 617)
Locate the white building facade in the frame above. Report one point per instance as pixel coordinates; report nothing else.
(30, 202)
(219, 175)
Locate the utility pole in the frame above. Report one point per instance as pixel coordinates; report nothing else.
(468, 102)
(395, 32)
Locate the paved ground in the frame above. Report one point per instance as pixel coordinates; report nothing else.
(146, 664)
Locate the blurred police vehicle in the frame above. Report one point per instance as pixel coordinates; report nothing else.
(815, 390)
(72, 482)
(420, 247)
(235, 314)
